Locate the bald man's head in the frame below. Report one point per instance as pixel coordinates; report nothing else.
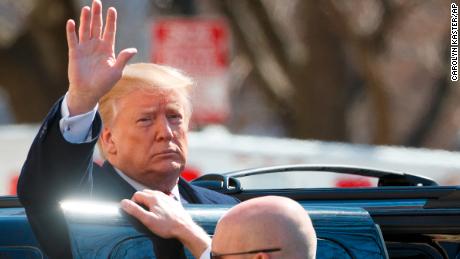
(265, 223)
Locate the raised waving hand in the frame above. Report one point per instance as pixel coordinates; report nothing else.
(93, 67)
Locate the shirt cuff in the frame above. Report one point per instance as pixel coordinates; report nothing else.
(206, 254)
(76, 129)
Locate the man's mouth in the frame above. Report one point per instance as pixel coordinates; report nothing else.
(166, 152)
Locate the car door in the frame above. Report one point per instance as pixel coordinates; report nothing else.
(104, 232)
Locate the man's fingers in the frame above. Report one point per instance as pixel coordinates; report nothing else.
(136, 211)
(72, 40)
(158, 194)
(96, 19)
(131, 207)
(83, 30)
(143, 198)
(110, 26)
(152, 192)
(124, 56)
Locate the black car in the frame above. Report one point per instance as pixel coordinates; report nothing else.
(404, 216)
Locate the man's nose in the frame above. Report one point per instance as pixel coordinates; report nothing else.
(163, 130)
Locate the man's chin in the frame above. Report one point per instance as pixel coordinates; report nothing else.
(168, 168)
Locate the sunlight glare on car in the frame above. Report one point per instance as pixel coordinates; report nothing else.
(90, 208)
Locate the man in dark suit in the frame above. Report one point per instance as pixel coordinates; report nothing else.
(145, 109)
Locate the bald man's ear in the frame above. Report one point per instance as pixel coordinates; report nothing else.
(261, 256)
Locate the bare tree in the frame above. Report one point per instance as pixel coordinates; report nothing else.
(34, 67)
(310, 94)
(338, 52)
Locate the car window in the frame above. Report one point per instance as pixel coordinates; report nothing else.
(302, 179)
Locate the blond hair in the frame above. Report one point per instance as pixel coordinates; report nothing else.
(145, 76)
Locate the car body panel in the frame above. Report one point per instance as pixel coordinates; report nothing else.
(16, 237)
(343, 232)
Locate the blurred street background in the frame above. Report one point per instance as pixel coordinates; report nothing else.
(359, 82)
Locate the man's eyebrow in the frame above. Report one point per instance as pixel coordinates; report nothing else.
(146, 111)
(176, 106)
(150, 110)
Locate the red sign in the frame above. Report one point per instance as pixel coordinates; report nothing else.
(199, 47)
(353, 182)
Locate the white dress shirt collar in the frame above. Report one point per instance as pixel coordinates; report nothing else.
(139, 187)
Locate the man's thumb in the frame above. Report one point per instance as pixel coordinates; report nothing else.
(124, 56)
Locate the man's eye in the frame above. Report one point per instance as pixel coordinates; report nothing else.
(175, 116)
(143, 120)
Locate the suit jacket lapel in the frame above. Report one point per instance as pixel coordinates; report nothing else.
(187, 192)
(110, 185)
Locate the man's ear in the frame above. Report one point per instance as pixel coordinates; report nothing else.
(107, 143)
(261, 256)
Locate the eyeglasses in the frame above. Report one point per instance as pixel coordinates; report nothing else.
(219, 256)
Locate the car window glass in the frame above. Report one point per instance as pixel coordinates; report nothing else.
(311, 179)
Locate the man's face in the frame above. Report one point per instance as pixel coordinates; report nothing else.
(148, 135)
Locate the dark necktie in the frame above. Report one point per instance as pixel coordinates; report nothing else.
(168, 248)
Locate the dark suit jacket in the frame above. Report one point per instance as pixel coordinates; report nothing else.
(56, 169)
